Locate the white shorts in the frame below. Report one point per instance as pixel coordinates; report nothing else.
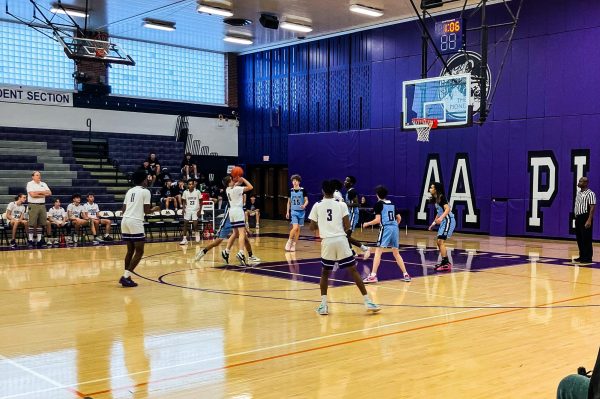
(132, 230)
(336, 250)
(236, 217)
(191, 215)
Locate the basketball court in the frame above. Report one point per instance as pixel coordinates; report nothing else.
(203, 329)
(430, 87)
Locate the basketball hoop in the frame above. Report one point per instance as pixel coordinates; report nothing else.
(100, 52)
(423, 126)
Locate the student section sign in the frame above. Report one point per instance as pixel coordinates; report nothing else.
(34, 95)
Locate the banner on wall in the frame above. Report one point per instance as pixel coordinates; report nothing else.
(37, 96)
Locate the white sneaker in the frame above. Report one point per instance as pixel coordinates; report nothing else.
(197, 236)
(322, 309)
(257, 226)
(293, 247)
(200, 254)
(406, 278)
(288, 246)
(253, 259)
(370, 279)
(367, 253)
(372, 307)
(184, 241)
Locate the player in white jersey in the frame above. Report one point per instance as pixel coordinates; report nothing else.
(57, 218)
(93, 212)
(135, 206)
(330, 217)
(192, 200)
(15, 213)
(78, 217)
(235, 194)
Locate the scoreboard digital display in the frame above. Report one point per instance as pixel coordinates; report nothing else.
(449, 35)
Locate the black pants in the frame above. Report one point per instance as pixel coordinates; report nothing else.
(584, 237)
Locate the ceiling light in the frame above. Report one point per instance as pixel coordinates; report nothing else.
(237, 39)
(296, 27)
(158, 24)
(73, 12)
(221, 10)
(370, 11)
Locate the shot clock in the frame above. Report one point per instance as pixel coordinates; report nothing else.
(448, 35)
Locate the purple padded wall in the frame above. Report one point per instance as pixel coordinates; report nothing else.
(544, 106)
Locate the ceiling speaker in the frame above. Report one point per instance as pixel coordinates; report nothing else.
(269, 21)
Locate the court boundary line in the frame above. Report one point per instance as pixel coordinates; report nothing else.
(42, 377)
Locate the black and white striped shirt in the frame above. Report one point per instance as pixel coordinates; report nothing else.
(583, 201)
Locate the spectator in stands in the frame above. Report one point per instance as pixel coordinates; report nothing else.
(37, 191)
(177, 192)
(15, 213)
(188, 166)
(167, 195)
(365, 211)
(154, 163)
(149, 173)
(93, 211)
(253, 210)
(78, 217)
(57, 218)
(220, 202)
(213, 190)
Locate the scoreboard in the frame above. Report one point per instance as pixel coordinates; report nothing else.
(448, 35)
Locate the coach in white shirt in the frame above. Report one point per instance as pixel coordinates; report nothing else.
(37, 191)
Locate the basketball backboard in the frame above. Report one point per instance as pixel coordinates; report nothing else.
(446, 99)
(79, 48)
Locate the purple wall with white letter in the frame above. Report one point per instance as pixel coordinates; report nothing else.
(338, 104)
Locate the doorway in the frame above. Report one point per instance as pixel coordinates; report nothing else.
(271, 187)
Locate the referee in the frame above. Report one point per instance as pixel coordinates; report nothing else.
(37, 191)
(585, 203)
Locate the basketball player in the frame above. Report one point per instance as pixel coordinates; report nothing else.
(135, 206)
(78, 218)
(235, 194)
(15, 213)
(352, 202)
(337, 194)
(191, 205)
(92, 210)
(445, 218)
(223, 233)
(296, 205)
(57, 218)
(330, 217)
(388, 221)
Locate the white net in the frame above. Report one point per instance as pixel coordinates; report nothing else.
(423, 127)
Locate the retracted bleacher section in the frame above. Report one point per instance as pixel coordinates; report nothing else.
(130, 152)
(55, 154)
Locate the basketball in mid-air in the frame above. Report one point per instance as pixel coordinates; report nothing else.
(237, 172)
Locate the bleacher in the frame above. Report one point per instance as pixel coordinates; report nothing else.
(131, 152)
(25, 150)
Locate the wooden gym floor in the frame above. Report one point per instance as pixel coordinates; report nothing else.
(512, 319)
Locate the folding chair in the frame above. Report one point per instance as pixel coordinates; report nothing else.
(207, 206)
(170, 220)
(110, 216)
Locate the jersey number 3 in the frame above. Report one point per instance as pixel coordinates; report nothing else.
(329, 215)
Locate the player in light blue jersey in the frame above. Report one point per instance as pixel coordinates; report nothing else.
(445, 218)
(297, 203)
(389, 237)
